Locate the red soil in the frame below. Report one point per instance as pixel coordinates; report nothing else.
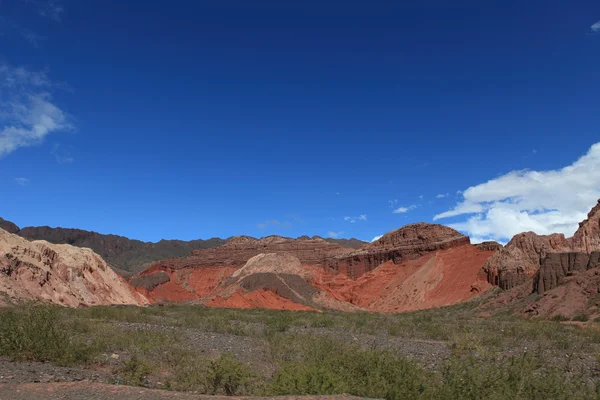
(439, 278)
(257, 299)
(187, 283)
(436, 279)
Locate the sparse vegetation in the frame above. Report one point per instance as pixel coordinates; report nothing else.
(314, 353)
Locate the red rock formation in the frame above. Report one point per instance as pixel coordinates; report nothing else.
(556, 266)
(489, 246)
(409, 242)
(60, 274)
(418, 266)
(587, 237)
(238, 250)
(435, 279)
(520, 259)
(261, 298)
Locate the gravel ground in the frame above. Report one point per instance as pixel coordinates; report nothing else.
(96, 391)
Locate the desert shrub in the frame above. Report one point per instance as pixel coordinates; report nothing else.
(321, 365)
(228, 376)
(134, 372)
(524, 377)
(580, 318)
(559, 318)
(37, 333)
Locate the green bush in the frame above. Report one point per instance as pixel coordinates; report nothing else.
(134, 372)
(524, 377)
(580, 318)
(321, 365)
(36, 333)
(228, 376)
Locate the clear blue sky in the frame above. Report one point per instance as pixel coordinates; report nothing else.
(194, 119)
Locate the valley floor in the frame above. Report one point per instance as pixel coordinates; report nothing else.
(452, 352)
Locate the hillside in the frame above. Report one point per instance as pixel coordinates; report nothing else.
(127, 256)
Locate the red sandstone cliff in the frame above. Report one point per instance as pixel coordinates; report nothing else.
(519, 261)
(417, 266)
(409, 242)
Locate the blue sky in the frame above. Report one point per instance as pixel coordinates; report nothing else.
(194, 119)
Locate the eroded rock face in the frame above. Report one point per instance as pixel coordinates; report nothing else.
(409, 242)
(520, 259)
(238, 250)
(557, 266)
(59, 274)
(587, 237)
(489, 246)
(8, 226)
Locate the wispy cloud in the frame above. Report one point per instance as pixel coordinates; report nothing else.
(22, 181)
(61, 154)
(334, 235)
(273, 222)
(596, 27)
(27, 110)
(441, 196)
(392, 203)
(421, 197)
(51, 9)
(530, 201)
(13, 28)
(362, 217)
(402, 210)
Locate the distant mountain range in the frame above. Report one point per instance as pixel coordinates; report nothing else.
(128, 256)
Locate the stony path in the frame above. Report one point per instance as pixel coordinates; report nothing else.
(98, 391)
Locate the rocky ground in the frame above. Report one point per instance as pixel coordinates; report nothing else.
(97, 391)
(172, 347)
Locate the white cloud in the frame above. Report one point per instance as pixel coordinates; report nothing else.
(402, 210)
(27, 111)
(22, 181)
(352, 220)
(52, 9)
(596, 27)
(376, 238)
(421, 197)
(334, 235)
(540, 201)
(441, 196)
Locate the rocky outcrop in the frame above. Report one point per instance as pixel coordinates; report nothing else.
(520, 259)
(409, 242)
(489, 246)
(417, 266)
(238, 250)
(149, 282)
(587, 237)
(272, 275)
(128, 256)
(556, 266)
(59, 274)
(517, 262)
(8, 226)
(121, 253)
